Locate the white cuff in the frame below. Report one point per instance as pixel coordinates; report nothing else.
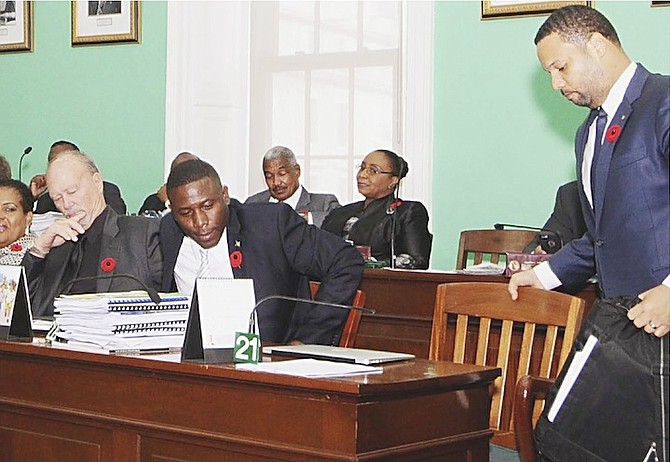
(546, 276)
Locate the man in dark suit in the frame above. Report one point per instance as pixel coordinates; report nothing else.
(92, 240)
(623, 173)
(38, 186)
(566, 219)
(282, 175)
(209, 234)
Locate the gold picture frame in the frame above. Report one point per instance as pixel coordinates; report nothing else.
(104, 22)
(492, 9)
(16, 26)
(655, 3)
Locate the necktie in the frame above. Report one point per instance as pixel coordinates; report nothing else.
(203, 270)
(601, 121)
(74, 264)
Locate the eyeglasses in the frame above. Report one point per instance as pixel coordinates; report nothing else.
(372, 170)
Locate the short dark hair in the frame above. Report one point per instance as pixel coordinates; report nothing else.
(5, 169)
(576, 23)
(190, 171)
(399, 165)
(27, 198)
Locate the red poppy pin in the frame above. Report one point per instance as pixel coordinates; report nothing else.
(108, 265)
(613, 133)
(396, 204)
(16, 247)
(236, 259)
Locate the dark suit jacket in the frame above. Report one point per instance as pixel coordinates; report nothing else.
(109, 190)
(281, 252)
(567, 218)
(319, 204)
(629, 228)
(152, 203)
(375, 224)
(131, 241)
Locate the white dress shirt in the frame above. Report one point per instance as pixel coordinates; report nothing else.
(189, 263)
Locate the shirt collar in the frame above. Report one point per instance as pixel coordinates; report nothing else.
(618, 90)
(291, 201)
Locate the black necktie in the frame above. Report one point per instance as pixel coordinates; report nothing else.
(601, 121)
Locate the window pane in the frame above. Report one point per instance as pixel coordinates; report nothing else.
(288, 110)
(329, 118)
(296, 28)
(338, 26)
(330, 176)
(381, 25)
(373, 111)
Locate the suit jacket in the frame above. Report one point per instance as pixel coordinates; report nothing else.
(567, 218)
(152, 203)
(131, 241)
(318, 204)
(281, 252)
(109, 190)
(375, 225)
(628, 229)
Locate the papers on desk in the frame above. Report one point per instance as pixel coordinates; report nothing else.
(122, 322)
(310, 368)
(487, 268)
(42, 221)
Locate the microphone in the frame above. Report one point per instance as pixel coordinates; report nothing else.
(151, 292)
(550, 240)
(25, 153)
(253, 314)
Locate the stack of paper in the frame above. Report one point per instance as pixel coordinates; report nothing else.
(42, 221)
(122, 322)
(311, 368)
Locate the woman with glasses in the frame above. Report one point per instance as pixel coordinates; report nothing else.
(384, 222)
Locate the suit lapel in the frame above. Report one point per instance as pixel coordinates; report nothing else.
(303, 202)
(235, 245)
(109, 248)
(612, 134)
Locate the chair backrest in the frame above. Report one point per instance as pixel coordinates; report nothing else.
(494, 242)
(504, 333)
(348, 337)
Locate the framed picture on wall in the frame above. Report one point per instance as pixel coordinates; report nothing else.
(496, 9)
(16, 25)
(660, 3)
(99, 22)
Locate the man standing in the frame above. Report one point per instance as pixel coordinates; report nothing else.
(622, 152)
(92, 240)
(209, 234)
(282, 175)
(622, 171)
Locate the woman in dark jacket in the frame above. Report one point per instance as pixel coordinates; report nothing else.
(389, 225)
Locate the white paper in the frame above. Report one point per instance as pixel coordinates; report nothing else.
(576, 366)
(311, 368)
(225, 306)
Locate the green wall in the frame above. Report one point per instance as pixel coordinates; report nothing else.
(109, 99)
(503, 137)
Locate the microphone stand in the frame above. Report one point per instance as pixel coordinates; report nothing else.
(25, 153)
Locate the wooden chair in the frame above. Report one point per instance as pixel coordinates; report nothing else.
(529, 388)
(504, 333)
(477, 243)
(348, 337)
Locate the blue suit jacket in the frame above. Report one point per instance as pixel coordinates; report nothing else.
(281, 252)
(628, 230)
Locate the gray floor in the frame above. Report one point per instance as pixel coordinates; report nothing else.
(501, 454)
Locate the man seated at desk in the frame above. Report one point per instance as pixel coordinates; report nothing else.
(282, 175)
(210, 235)
(92, 241)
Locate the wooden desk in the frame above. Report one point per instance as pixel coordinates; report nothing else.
(60, 405)
(404, 301)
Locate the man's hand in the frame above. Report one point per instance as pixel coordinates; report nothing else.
(522, 279)
(60, 231)
(38, 185)
(653, 310)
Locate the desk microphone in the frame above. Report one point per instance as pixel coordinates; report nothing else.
(151, 292)
(25, 153)
(550, 240)
(253, 314)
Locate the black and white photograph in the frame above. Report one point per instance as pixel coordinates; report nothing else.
(105, 22)
(16, 26)
(7, 12)
(103, 7)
